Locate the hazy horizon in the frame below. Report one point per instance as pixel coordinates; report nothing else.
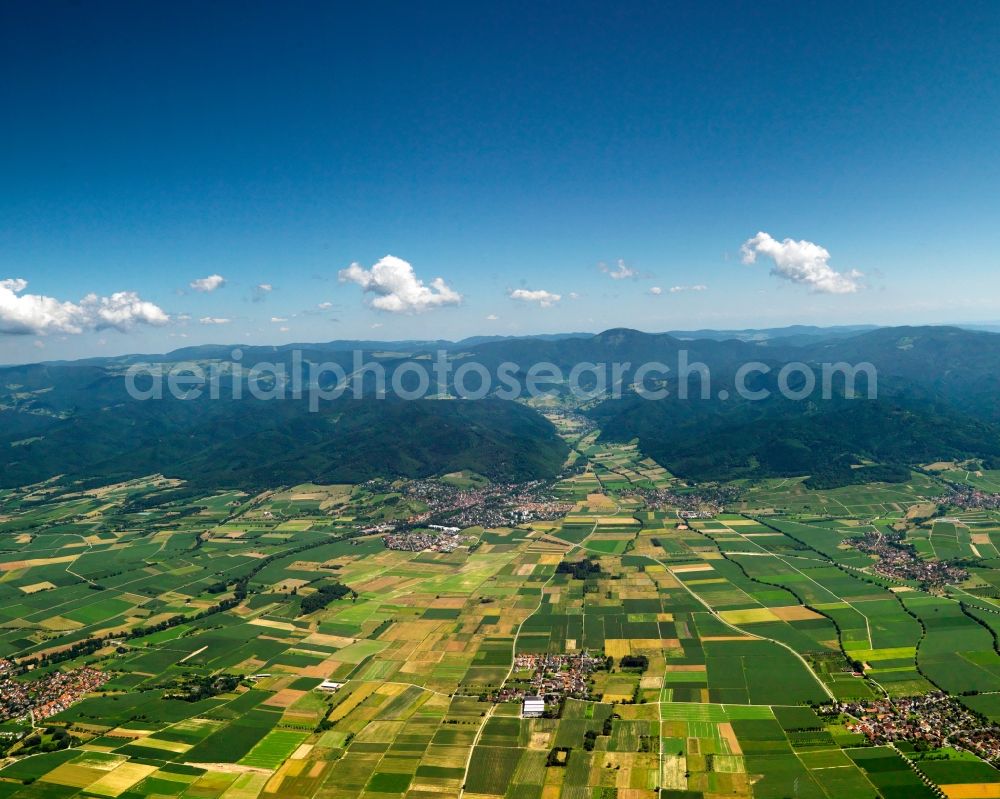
(981, 326)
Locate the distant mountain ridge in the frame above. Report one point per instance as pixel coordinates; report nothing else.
(224, 351)
(791, 335)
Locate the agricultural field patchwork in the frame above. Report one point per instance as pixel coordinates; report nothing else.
(621, 635)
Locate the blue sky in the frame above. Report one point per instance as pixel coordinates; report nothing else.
(506, 151)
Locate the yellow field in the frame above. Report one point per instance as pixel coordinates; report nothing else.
(72, 776)
(360, 695)
(674, 768)
(302, 752)
(691, 567)
(167, 746)
(34, 588)
(30, 564)
(617, 647)
(972, 790)
(795, 613)
(748, 615)
(273, 624)
(893, 653)
(59, 624)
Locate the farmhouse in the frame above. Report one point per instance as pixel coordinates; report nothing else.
(532, 707)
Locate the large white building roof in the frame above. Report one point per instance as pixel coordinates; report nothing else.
(533, 705)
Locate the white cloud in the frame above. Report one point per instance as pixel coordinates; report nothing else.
(214, 320)
(492, 317)
(376, 325)
(260, 291)
(697, 287)
(122, 310)
(206, 284)
(573, 295)
(278, 319)
(621, 271)
(802, 262)
(283, 329)
(655, 290)
(545, 299)
(325, 306)
(396, 287)
(15, 284)
(35, 314)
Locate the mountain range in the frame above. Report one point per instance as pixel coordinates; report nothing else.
(937, 399)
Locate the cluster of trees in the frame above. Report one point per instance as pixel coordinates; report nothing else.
(640, 662)
(579, 569)
(842, 472)
(51, 739)
(590, 736)
(323, 596)
(202, 686)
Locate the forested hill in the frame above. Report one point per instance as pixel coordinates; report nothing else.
(938, 398)
(256, 444)
(836, 443)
